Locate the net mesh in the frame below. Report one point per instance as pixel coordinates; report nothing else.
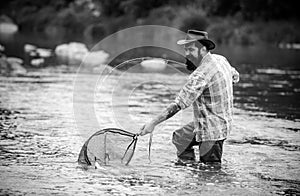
(108, 147)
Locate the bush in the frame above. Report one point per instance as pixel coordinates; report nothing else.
(198, 22)
(5, 19)
(69, 21)
(277, 32)
(191, 17)
(221, 33)
(247, 34)
(115, 24)
(95, 32)
(161, 16)
(44, 17)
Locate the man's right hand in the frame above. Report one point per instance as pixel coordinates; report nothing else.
(147, 128)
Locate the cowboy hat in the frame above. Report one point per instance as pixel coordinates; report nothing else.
(195, 35)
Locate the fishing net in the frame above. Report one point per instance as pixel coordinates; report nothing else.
(109, 146)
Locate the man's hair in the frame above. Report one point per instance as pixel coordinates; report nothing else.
(199, 45)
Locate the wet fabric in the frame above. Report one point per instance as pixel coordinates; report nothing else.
(184, 141)
(209, 90)
(108, 147)
(211, 151)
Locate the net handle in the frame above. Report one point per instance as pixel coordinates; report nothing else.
(104, 158)
(149, 148)
(134, 140)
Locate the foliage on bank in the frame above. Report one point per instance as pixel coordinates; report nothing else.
(228, 21)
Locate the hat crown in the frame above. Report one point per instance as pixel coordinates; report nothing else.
(195, 34)
(200, 36)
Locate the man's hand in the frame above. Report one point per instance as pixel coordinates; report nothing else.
(172, 109)
(147, 128)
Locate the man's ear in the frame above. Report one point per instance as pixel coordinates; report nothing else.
(203, 50)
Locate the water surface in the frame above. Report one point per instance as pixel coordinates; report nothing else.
(40, 139)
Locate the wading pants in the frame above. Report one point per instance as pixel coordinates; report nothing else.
(184, 140)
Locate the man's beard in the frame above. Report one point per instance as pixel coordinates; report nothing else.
(189, 64)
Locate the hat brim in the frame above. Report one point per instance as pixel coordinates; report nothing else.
(206, 42)
(184, 41)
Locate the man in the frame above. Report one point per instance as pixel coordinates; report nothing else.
(209, 90)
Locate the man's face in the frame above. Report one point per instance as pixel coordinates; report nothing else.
(191, 52)
(192, 56)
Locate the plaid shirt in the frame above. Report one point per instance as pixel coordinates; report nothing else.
(209, 90)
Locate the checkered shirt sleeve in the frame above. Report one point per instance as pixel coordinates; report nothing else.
(192, 89)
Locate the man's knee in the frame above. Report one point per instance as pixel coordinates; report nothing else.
(183, 135)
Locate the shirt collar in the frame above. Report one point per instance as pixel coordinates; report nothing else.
(205, 58)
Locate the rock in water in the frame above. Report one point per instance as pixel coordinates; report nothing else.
(154, 64)
(96, 58)
(8, 28)
(16, 65)
(72, 53)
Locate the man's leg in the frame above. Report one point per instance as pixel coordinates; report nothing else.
(184, 140)
(211, 151)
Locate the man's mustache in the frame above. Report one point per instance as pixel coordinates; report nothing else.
(189, 64)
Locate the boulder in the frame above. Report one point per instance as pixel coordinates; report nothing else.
(15, 66)
(29, 48)
(154, 64)
(2, 48)
(77, 53)
(44, 53)
(72, 53)
(7, 26)
(96, 58)
(37, 62)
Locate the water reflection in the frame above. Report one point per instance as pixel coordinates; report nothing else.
(271, 90)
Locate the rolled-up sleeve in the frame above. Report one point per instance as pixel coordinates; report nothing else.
(191, 90)
(235, 75)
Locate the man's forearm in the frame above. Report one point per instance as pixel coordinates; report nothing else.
(171, 110)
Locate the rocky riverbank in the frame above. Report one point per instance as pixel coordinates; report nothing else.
(69, 55)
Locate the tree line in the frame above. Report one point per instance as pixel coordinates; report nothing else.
(248, 9)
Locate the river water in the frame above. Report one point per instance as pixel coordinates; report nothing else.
(48, 113)
(41, 140)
